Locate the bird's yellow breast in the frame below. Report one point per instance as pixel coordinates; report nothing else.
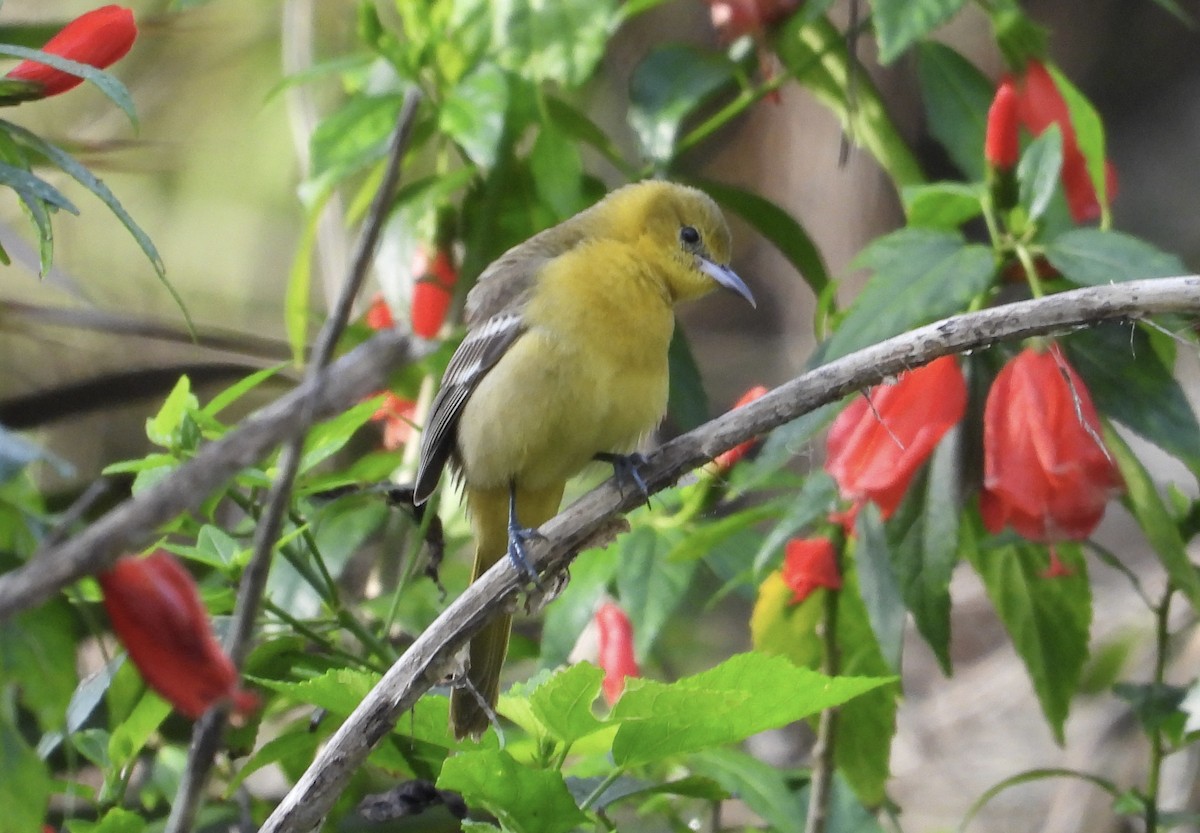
(589, 374)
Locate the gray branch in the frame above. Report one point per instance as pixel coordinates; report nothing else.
(592, 516)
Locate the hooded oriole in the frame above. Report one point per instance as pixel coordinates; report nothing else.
(565, 361)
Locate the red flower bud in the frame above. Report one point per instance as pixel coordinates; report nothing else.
(157, 614)
(1039, 105)
(396, 414)
(1002, 144)
(616, 649)
(433, 292)
(877, 444)
(726, 460)
(1046, 472)
(379, 315)
(809, 563)
(98, 38)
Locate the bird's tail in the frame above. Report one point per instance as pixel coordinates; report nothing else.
(489, 518)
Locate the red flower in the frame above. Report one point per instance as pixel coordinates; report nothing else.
(1039, 105)
(396, 413)
(734, 18)
(809, 563)
(1002, 144)
(616, 649)
(379, 315)
(98, 38)
(157, 614)
(1046, 472)
(433, 292)
(726, 460)
(877, 444)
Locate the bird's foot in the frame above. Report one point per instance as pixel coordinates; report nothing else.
(627, 471)
(518, 537)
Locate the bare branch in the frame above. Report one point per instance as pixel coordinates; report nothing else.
(423, 664)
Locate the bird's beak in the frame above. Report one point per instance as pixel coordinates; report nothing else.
(726, 277)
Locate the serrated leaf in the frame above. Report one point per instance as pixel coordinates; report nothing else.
(473, 113)
(919, 276)
(746, 694)
(299, 744)
(957, 97)
(163, 429)
(649, 585)
(1142, 499)
(901, 23)
(779, 228)
(1123, 373)
(1047, 618)
(625, 787)
(1038, 170)
(1089, 134)
(878, 586)
(524, 799)
(1091, 257)
(941, 205)
(563, 703)
(561, 41)
(338, 690)
(669, 84)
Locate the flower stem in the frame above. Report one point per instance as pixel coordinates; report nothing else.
(820, 791)
(1157, 741)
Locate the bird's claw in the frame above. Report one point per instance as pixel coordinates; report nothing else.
(627, 470)
(518, 537)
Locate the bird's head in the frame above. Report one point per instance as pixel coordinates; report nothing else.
(682, 231)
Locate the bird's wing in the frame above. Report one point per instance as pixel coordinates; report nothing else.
(478, 353)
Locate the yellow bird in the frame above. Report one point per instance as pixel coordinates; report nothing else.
(564, 362)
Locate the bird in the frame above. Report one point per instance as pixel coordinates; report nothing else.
(564, 362)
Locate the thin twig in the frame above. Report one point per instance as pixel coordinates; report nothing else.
(206, 737)
(422, 666)
(820, 789)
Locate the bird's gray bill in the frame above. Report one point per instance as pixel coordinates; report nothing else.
(727, 278)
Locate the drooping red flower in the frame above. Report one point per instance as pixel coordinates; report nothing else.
(1039, 105)
(157, 614)
(379, 315)
(809, 563)
(726, 460)
(1046, 472)
(98, 38)
(616, 649)
(396, 413)
(877, 444)
(433, 291)
(734, 18)
(1002, 141)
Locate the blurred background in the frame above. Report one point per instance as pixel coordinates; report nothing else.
(212, 173)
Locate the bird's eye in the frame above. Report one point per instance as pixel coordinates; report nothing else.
(689, 236)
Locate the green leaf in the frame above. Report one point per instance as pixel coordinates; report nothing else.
(163, 429)
(957, 97)
(524, 799)
(1143, 500)
(779, 228)
(1123, 373)
(762, 786)
(919, 276)
(239, 389)
(651, 587)
(576, 124)
(1091, 257)
(108, 84)
(1089, 134)
(116, 820)
(16, 453)
(131, 734)
(298, 745)
(1038, 170)
(815, 500)
(473, 113)
(941, 205)
(746, 694)
(329, 437)
(338, 690)
(37, 656)
(1047, 618)
(574, 607)
(563, 703)
(878, 586)
(1157, 706)
(814, 52)
(24, 182)
(669, 84)
(687, 401)
(625, 787)
(354, 136)
(557, 170)
(25, 784)
(923, 536)
(901, 23)
(560, 42)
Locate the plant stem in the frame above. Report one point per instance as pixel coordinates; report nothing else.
(820, 790)
(1157, 742)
